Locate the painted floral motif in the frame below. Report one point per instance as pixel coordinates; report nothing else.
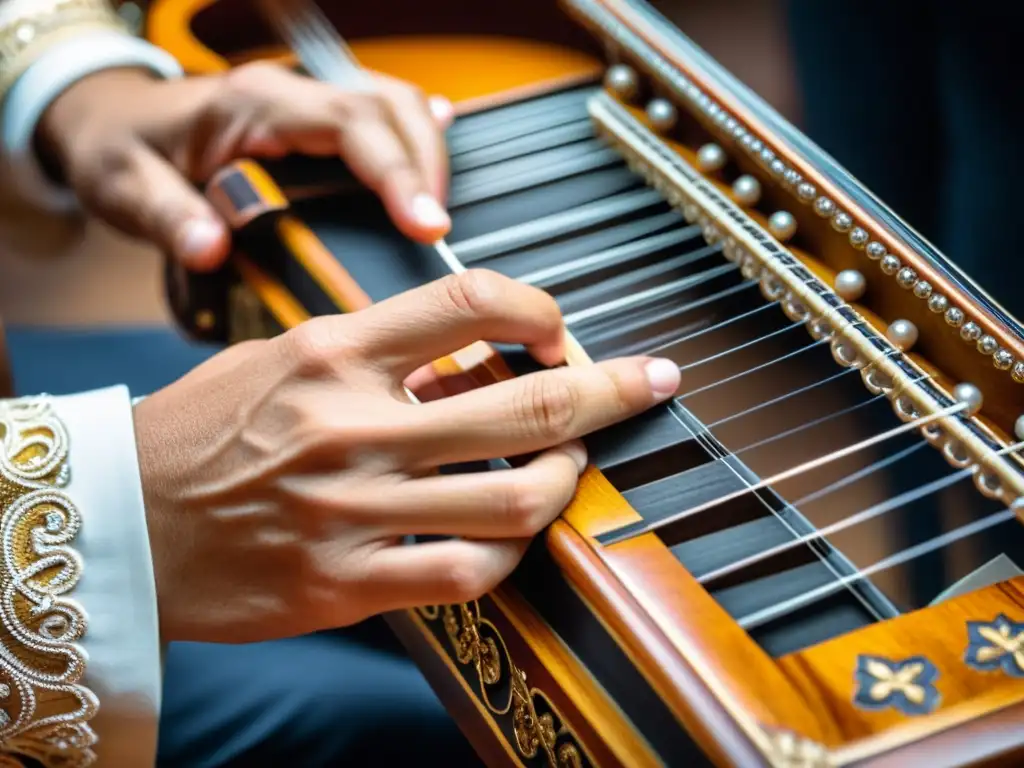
(907, 686)
(994, 646)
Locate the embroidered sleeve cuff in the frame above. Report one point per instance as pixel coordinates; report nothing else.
(57, 69)
(117, 588)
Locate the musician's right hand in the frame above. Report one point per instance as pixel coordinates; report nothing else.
(281, 477)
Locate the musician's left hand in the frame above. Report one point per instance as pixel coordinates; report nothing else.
(132, 148)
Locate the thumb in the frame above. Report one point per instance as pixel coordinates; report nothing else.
(149, 198)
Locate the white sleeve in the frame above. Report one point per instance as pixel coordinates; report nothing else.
(57, 69)
(78, 507)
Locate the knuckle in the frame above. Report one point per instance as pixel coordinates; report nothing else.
(112, 161)
(407, 94)
(525, 509)
(252, 76)
(473, 292)
(623, 396)
(547, 406)
(463, 582)
(317, 344)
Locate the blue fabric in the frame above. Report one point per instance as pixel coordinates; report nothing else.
(60, 361)
(349, 697)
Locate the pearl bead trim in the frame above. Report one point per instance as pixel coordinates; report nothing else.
(842, 221)
(804, 298)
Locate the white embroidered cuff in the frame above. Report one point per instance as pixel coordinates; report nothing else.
(117, 589)
(49, 76)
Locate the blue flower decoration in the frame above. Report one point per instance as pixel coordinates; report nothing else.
(996, 645)
(907, 686)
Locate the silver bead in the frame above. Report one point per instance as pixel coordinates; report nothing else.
(875, 250)
(858, 238)
(824, 207)
(1002, 359)
(987, 345)
(850, 285)
(711, 158)
(622, 81)
(922, 289)
(1018, 372)
(906, 278)
(782, 225)
(747, 190)
(662, 115)
(842, 222)
(902, 333)
(806, 192)
(970, 394)
(938, 303)
(970, 332)
(890, 264)
(1018, 428)
(954, 316)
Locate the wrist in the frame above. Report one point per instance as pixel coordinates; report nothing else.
(73, 112)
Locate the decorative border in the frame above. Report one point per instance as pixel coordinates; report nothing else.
(540, 733)
(842, 222)
(40, 659)
(44, 26)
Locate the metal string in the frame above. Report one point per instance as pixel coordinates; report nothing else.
(800, 469)
(811, 424)
(782, 608)
(635, 300)
(781, 398)
(755, 369)
(860, 517)
(717, 326)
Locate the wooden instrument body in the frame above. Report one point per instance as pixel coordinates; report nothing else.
(599, 653)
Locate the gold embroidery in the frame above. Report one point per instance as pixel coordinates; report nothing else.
(44, 711)
(539, 730)
(25, 36)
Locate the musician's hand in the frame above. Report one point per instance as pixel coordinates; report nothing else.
(132, 147)
(281, 476)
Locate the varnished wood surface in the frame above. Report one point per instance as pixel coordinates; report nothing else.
(822, 675)
(461, 67)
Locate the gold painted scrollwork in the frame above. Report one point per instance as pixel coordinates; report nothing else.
(786, 749)
(540, 731)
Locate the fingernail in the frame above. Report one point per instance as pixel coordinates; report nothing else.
(442, 110)
(578, 453)
(198, 237)
(663, 376)
(429, 213)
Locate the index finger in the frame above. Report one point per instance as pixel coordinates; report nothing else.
(534, 412)
(426, 323)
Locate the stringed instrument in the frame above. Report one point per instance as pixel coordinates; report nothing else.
(812, 556)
